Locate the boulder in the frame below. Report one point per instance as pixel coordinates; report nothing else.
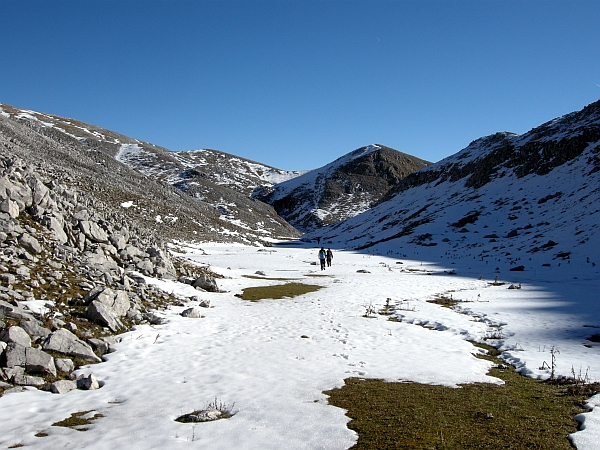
(40, 191)
(119, 240)
(87, 382)
(62, 386)
(15, 355)
(9, 207)
(33, 328)
(56, 226)
(8, 278)
(99, 312)
(192, 313)
(100, 346)
(29, 243)
(145, 266)
(119, 302)
(17, 335)
(38, 361)
(64, 365)
(93, 231)
(63, 341)
(28, 380)
(206, 282)
(10, 311)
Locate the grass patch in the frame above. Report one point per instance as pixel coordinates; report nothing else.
(522, 413)
(78, 421)
(258, 277)
(444, 301)
(318, 275)
(279, 291)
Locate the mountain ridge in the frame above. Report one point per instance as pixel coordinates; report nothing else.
(341, 189)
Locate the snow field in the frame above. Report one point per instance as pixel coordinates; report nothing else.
(253, 355)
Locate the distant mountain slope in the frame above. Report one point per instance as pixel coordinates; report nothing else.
(344, 188)
(505, 197)
(188, 170)
(85, 155)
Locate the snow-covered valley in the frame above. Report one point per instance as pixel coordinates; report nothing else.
(271, 360)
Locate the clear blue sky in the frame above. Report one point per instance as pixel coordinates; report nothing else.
(296, 84)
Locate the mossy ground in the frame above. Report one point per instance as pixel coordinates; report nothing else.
(78, 420)
(521, 414)
(279, 291)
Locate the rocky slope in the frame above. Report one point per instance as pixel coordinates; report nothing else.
(504, 198)
(87, 157)
(344, 188)
(78, 232)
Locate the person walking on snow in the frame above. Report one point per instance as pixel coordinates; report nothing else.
(322, 256)
(329, 256)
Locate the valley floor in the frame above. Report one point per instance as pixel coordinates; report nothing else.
(271, 360)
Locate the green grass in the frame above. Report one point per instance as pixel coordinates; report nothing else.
(257, 277)
(279, 291)
(77, 421)
(527, 414)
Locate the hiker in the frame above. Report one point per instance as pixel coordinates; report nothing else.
(329, 256)
(322, 256)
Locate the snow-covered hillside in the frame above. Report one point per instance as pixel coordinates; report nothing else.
(510, 200)
(341, 189)
(126, 170)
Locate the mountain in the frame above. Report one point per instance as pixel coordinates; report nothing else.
(505, 198)
(91, 159)
(188, 170)
(344, 188)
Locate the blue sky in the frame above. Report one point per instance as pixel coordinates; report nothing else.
(297, 84)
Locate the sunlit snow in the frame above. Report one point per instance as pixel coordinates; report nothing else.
(273, 359)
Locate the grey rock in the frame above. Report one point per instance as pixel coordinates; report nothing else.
(39, 361)
(206, 415)
(192, 313)
(204, 303)
(153, 318)
(33, 328)
(28, 380)
(57, 228)
(93, 231)
(119, 240)
(101, 261)
(91, 295)
(17, 335)
(40, 191)
(62, 386)
(87, 382)
(22, 272)
(15, 355)
(64, 365)
(118, 301)
(100, 346)
(206, 282)
(8, 278)
(81, 215)
(10, 207)
(10, 372)
(145, 266)
(99, 312)
(63, 341)
(14, 390)
(13, 312)
(29, 243)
